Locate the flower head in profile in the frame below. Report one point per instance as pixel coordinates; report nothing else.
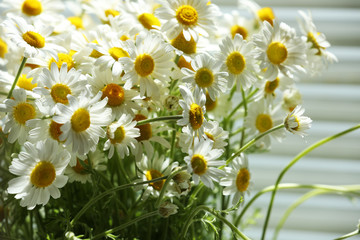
(296, 123)
(39, 169)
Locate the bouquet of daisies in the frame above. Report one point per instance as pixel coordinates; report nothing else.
(133, 119)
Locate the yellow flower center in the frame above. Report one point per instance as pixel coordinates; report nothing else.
(240, 30)
(277, 52)
(55, 131)
(124, 38)
(3, 48)
(144, 65)
(119, 135)
(198, 164)
(266, 14)
(152, 174)
(80, 120)
(79, 168)
(59, 93)
(210, 136)
(115, 94)
(25, 83)
(263, 122)
(32, 66)
(111, 12)
(196, 116)
(43, 174)
(31, 7)
(76, 21)
(63, 58)
(34, 39)
(204, 77)
(148, 20)
(210, 104)
(182, 63)
(95, 53)
(188, 47)
(243, 180)
(235, 63)
(187, 15)
(117, 53)
(311, 38)
(271, 86)
(145, 129)
(23, 112)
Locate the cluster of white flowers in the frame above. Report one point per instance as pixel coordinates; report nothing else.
(88, 83)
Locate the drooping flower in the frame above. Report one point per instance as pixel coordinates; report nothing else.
(296, 123)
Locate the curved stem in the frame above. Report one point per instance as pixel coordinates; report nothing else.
(157, 119)
(240, 104)
(354, 233)
(22, 65)
(245, 115)
(299, 156)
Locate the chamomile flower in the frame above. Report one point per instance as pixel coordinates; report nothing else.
(19, 111)
(290, 99)
(202, 162)
(206, 75)
(260, 14)
(104, 10)
(239, 60)
(83, 119)
(121, 136)
(33, 38)
(217, 135)
(148, 62)
(296, 123)
(280, 50)
(39, 169)
(193, 18)
(234, 23)
(237, 180)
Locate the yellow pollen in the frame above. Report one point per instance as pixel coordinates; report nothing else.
(95, 53)
(277, 52)
(188, 47)
(145, 129)
(148, 20)
(111, 12)
(196, 116)
(31, 7)
(266, 14)
(59, 93)
(210, 136)
(3, 48)
(263, 122)
(25, 83)
(80, 120)
(182, 63)
(34, 39)
(43, 174)
(119, 135)
(124, 38)
(198, 164)
(243, 180)
(23, 112)
(204, 77)
(210, 104)
(63, 58)
(235, 63)
(77, 22)
(144, 65)
(240, 30)
(153, 174)
(187, 15)
(115, 94)
(271, 86)
(78, 168)
(117, 53)
(54, 130)
(311, 38)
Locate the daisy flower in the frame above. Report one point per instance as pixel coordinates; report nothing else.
(237, 179)
(193, 105)
(296, 123)
(206, 75)
(290, 99)
(260, 14)
(280, 50)
(19, 111)
(234, 23)
(121, 136)
(34, 39)
(193, 18)
(39, 168)
(104, 10)
(202, 162)
(148, 61)
(24, 82)
(239, 60)
(83, 119)
(120, 99)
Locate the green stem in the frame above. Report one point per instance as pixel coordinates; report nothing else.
(240, 104)
(125, 225)
(245, 115)
(354, 233)
(157, 119)
(299, 156)
(22, 65)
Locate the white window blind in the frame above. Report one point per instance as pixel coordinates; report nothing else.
(332, 100)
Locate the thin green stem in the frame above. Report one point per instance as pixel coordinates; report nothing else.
(125, 225)
(240, 104)
(157, 119)
(245, 115)
(354, 233)
(299, 156)
(22, 65)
